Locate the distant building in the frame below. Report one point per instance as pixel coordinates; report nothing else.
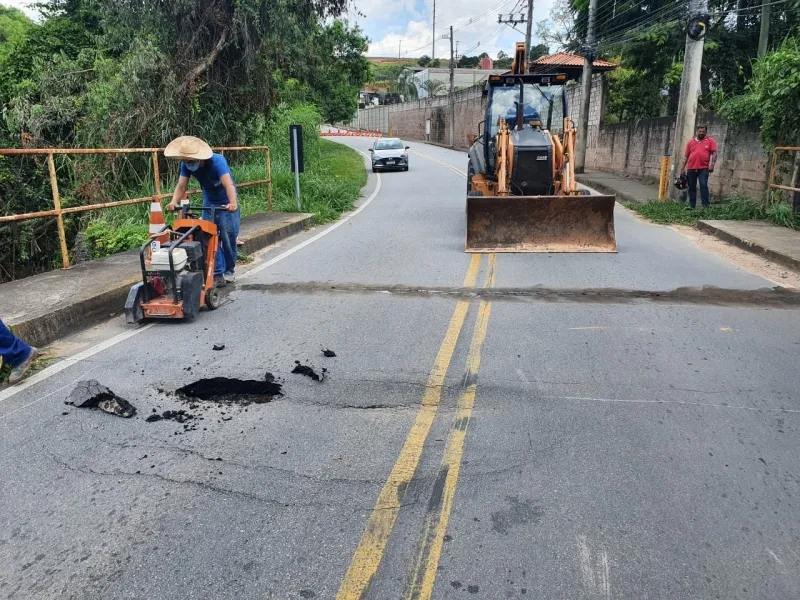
(462, 78)
(487, 64)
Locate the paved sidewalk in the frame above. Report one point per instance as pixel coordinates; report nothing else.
(51, 305)
(625, 188)
(778, 244)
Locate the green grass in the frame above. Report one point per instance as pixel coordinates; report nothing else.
(737, 209)
(331, 184)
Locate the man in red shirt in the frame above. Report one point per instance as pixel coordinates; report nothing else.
(700, 158)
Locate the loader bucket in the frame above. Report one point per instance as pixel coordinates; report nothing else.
(540, 224)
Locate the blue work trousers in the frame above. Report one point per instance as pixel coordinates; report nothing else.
(228, 227)
(696, 176)
(13, 350)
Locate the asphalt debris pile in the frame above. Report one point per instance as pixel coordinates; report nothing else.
(92, 394)
(308, 371)
(233, 391)
(179, 416)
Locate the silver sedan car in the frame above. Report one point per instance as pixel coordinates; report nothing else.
(389, 153)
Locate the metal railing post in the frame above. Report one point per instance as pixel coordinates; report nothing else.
(269, 180)
(157, 175)
(62, 234)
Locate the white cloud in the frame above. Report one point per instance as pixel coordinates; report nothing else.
(416, 38)
(23, 5)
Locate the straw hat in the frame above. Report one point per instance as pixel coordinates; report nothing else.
(188, 147)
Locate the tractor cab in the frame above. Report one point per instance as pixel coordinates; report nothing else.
(530, 105)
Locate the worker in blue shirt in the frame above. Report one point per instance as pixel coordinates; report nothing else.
(219, 191)
(16, 353)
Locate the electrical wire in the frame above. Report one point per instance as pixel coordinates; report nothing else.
(736, 11)
(676, 8)
(622, 34)
(609, 10)
(470, 21)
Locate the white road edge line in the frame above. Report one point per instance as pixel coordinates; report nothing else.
(322, 233)
(89, 352)
(68, 362)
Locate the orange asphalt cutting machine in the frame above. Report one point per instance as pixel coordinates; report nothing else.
(178, 275)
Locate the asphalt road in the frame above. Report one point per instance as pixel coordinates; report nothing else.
(459, 447)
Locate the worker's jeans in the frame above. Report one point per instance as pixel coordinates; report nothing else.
(694, 176)
(228, 227)
(13, 350)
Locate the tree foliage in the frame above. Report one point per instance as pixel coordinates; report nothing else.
(134, 73)
(647, 39)
(772, 97)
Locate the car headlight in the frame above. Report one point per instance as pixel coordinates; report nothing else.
(404, 156)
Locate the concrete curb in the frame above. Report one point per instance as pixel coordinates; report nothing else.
(606, 189)
(42, 329)
(750, 246)
(262, 240)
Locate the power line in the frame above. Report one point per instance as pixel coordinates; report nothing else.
(628, 32)
(604, 18)
(736, 11)
(470, 21)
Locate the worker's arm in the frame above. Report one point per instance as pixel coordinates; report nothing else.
(683, 165)
(178, 194)
(230, 190)
(712, 163)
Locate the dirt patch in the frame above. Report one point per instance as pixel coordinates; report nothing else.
(747, 261)
(233, 391)
(91, 394)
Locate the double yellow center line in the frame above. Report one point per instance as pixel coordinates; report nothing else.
(373, 542)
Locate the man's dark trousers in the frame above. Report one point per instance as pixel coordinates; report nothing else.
(694, 176)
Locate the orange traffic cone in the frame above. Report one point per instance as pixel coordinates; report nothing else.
(157, 224)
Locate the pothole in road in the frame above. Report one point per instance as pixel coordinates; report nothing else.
(226, 390)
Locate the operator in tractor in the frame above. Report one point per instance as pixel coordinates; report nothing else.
(219, 191)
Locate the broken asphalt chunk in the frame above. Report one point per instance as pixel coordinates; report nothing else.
(91, 394)
(308, 372)
(329, 353)
(218, 347)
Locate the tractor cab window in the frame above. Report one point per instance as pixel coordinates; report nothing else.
(537, 106)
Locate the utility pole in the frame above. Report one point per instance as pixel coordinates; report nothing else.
(399, 48)
(433, 34)
(690, 87)
(528, 35)
(763, 38)
(452, 92)
(586, 92)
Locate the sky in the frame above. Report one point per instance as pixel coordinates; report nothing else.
(23, 5)
(405, 25)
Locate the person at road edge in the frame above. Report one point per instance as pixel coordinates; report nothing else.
(16, 353)
(700, 158)
(219, 191)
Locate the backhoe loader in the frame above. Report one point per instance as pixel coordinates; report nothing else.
(521, 190)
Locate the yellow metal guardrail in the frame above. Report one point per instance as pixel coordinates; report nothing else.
(58, 212)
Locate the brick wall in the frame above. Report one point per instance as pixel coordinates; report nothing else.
(636, 148)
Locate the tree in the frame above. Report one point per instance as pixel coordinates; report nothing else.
(436, 63)
(469, 62)
(538, 51)
(433, 87)
(503, 61)
(405, 85)
(424, 60)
